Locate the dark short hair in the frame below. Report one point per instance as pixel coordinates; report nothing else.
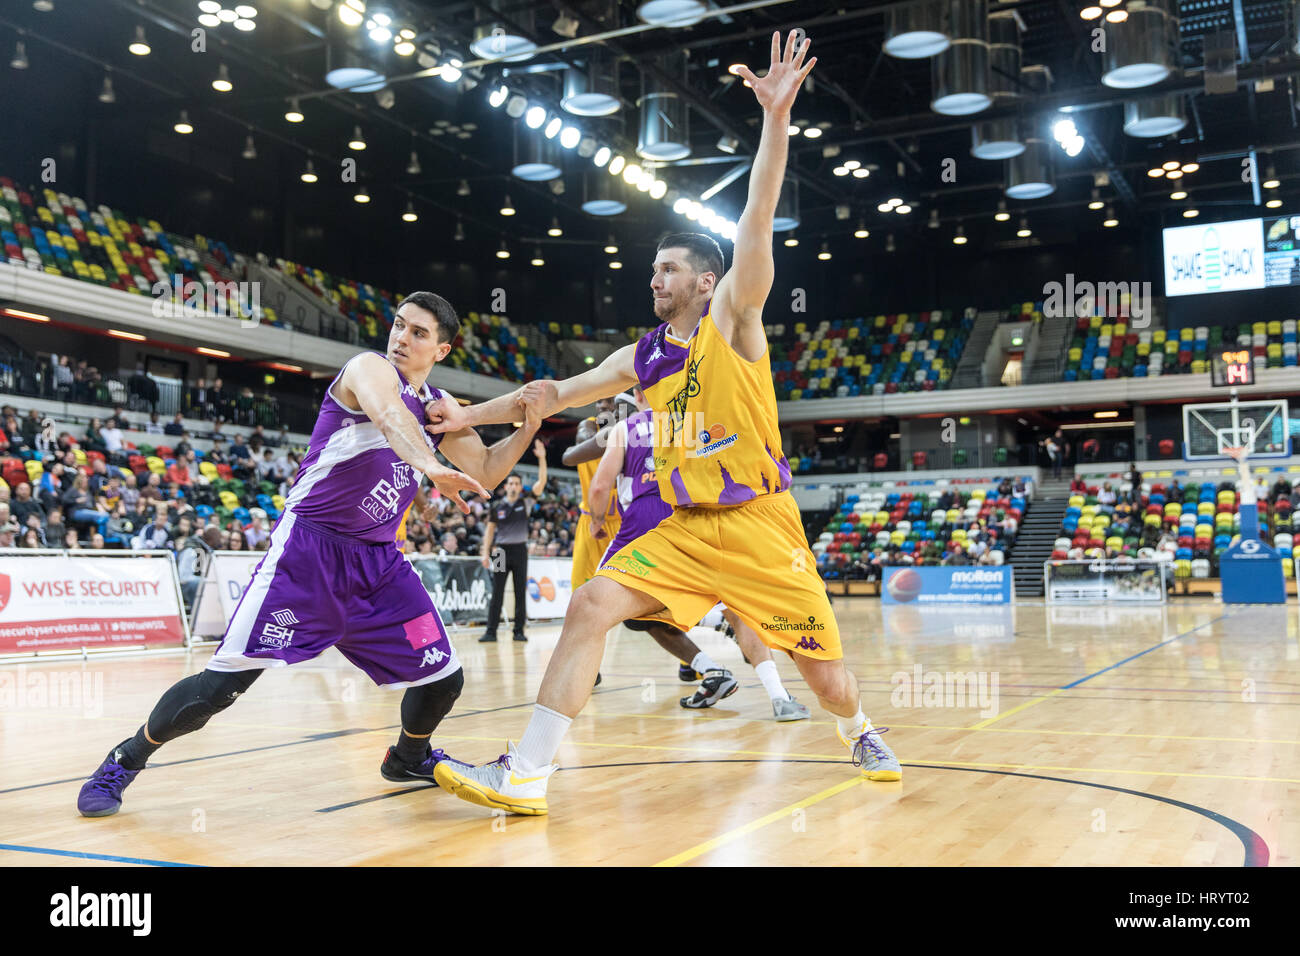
(703, 252)
(515, 474)
(444, 315)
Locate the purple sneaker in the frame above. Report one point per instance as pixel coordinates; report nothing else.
(395, 769)
(101, 795)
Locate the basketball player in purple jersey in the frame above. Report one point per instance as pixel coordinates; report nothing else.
(628, 465)
(331, 576)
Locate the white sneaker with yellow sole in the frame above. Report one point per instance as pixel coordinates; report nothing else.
(499, 785)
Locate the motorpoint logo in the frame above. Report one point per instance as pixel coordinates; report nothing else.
(712, 434)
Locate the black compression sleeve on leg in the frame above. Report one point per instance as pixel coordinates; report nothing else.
(186, 706)
(423, 708)
(191, 703)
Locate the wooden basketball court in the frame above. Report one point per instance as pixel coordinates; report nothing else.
(1146, 736)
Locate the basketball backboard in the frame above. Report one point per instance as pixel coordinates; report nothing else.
(1210, 428)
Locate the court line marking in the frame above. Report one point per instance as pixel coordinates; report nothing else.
(991, 730)
(1073, 684)
(923, 763)
(92, 856)
(732, 835)
(1255, 849)
(311, 736)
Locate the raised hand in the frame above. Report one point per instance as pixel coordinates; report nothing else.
(539, 449)
(452, 483)
(777, 90)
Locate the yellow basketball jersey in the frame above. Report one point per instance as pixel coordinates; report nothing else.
(586, 472)
(401, 527)
(716, 435)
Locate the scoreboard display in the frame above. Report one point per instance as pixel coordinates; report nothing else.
(1232, 369)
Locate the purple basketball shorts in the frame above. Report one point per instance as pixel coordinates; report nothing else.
(316, 589)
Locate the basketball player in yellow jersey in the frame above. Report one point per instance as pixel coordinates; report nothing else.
(735, 533)
(587, 550)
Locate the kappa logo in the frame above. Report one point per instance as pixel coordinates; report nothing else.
(809, 644)
(433, 656)
(4, 591)
(285, 618)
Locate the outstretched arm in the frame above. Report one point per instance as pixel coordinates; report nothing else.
(539, 450)
(611, 376)
(490, 465)
(370, 383)
(588, 450)
(602, 484)
(738, 303)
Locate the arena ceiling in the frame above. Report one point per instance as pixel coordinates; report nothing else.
(870, 108)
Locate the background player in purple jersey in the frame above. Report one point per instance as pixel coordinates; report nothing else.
(331, 576)
(627, 465)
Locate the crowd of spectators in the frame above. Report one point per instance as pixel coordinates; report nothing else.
(95, 506)
(440, 528)
(106, 503)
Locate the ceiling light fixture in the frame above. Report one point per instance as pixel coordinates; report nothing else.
(140, 46)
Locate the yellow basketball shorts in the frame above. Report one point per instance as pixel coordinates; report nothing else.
(587, 550)
(751, 557)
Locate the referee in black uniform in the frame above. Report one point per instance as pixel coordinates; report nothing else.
(507, 528)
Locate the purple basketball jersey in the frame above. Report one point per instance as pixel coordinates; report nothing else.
(638, 489)
(352, 482)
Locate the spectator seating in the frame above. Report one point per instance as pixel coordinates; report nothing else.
(1102, 348)
(60, 235)
(868, 356)
(902, 523)
(1191, 525)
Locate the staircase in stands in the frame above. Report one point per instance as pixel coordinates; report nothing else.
(1036, 535)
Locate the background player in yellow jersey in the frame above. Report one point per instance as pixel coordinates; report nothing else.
(735, 534)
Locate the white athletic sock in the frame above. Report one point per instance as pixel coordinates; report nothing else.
(703, 663)
(851, 728)
(542, 738)
(767, 673)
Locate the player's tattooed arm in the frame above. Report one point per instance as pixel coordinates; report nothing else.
(602, 483)
(370, 383)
